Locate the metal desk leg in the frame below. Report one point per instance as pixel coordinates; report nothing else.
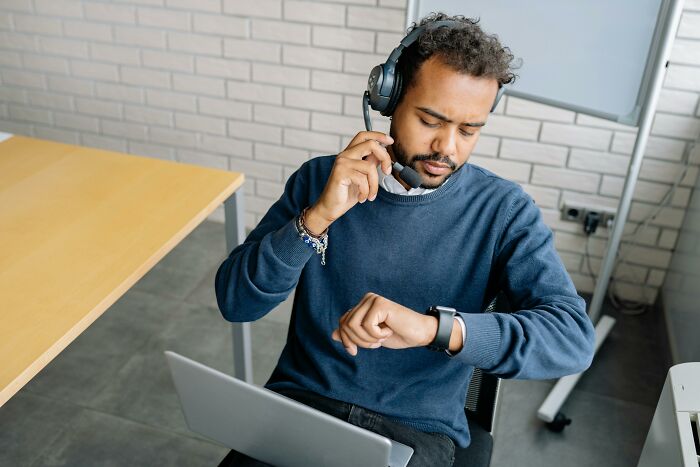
(234, 209)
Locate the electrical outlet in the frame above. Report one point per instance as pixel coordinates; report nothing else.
(577, 213)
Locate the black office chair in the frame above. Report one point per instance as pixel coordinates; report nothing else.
(480, 409)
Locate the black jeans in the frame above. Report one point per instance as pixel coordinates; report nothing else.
(430, 449)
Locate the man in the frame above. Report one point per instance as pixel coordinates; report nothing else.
(359, 330)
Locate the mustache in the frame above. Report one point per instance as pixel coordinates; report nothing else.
(435, 157)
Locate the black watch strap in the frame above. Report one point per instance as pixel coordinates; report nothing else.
(445, 317)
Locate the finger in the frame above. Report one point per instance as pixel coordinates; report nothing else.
(355, 322)
(360, 181)
(350, 347)
(350, 332)
(369, 170)
(370, 148)
(372, 324)
(336, 335)
(363, 136)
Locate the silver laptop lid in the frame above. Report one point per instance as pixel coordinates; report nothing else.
(270, 427)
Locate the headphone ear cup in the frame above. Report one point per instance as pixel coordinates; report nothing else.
(395, 95)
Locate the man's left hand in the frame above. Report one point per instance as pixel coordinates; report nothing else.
(378, 322)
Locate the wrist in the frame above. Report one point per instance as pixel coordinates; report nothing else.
(456, 338)
(430, 326)
(315, 221)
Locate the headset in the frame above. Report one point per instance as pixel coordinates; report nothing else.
(385, 84)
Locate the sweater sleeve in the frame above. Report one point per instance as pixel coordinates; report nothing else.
(550, 334)
(262, 272)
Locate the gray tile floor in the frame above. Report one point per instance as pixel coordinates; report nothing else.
(107, 400)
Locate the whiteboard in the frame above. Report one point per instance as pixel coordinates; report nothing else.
(590, 56)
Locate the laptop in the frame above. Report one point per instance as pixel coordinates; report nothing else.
(271, 427)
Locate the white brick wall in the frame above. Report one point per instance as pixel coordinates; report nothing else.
(260, 86)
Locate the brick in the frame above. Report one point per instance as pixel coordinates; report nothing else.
(524, 108)
(279, 31)
(676, 126)
(71, 85)
(99, 108)
(686, 52)
(312, 100)
(645, 256)
(110, 13)
(577, 136)
(124, 130)
(64, 8)
(63, 47)
(168, 60)
(595, 161)
(103, 142)
(587, 120)
(314, 12)
(543, 197)
(311, 140)
(667, 217)
(312, 57)
(343, 39)
(93, 70)
(151, 150)
(516, 171)
(214, 161)
(256, 169)
(50, 100)
(386, 42)
(17, 5)
(338, 82)
(29, 115)
(16, 41)
(258, 8)
(213, 6)
(255, 131)
(115, 54)
(147, 115)
(336, 124)
(46, 63)
(87, 30)
(352, 105)
(145, 77)
(226, 146)
(565, 178)
(199, 85)
(361, 63)
(280, 154)
(11, 94)
(657, 147)
(644, 191)
(487, 146)
(537, 153)
(247, 49)
(254, 92)
(150, 38)
(173, 137)
(282, 75)
(195, 43)
(171, 100)
(212, 125)
(10, 59)
(38, 25)
(667, 172)
(680, 102)
(163, 18)
(512, 127)
(25, 79)
(376, 19)
(54, 134)
(668, 239)
(281, 116)
(224, 68)
(225, 108)
(683, 77)
(269, 190)
(689, 26)
(220, 25)
(656, 277)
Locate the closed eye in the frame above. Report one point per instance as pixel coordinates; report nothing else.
(466, 133)
(429, 125)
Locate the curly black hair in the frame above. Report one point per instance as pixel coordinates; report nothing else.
(467, 49)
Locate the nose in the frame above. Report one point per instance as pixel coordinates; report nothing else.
(445, 141)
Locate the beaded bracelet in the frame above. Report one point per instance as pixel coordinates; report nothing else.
(318, 242)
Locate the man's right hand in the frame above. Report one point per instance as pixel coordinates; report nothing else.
(353, 179)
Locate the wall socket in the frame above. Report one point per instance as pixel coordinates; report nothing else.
(577, 213)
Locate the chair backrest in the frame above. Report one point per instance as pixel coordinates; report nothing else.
(482, 394)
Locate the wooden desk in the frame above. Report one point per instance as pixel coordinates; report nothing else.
(80, 226)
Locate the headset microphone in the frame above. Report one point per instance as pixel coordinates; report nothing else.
(407, 174)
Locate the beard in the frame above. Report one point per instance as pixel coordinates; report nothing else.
(433, 181)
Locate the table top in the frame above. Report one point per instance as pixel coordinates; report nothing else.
(78, 227)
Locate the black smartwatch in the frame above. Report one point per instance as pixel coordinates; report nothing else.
(446, 319)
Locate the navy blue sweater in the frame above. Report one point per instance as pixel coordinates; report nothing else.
(456, 246)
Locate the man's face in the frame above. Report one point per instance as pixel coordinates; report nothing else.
(438, 121)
